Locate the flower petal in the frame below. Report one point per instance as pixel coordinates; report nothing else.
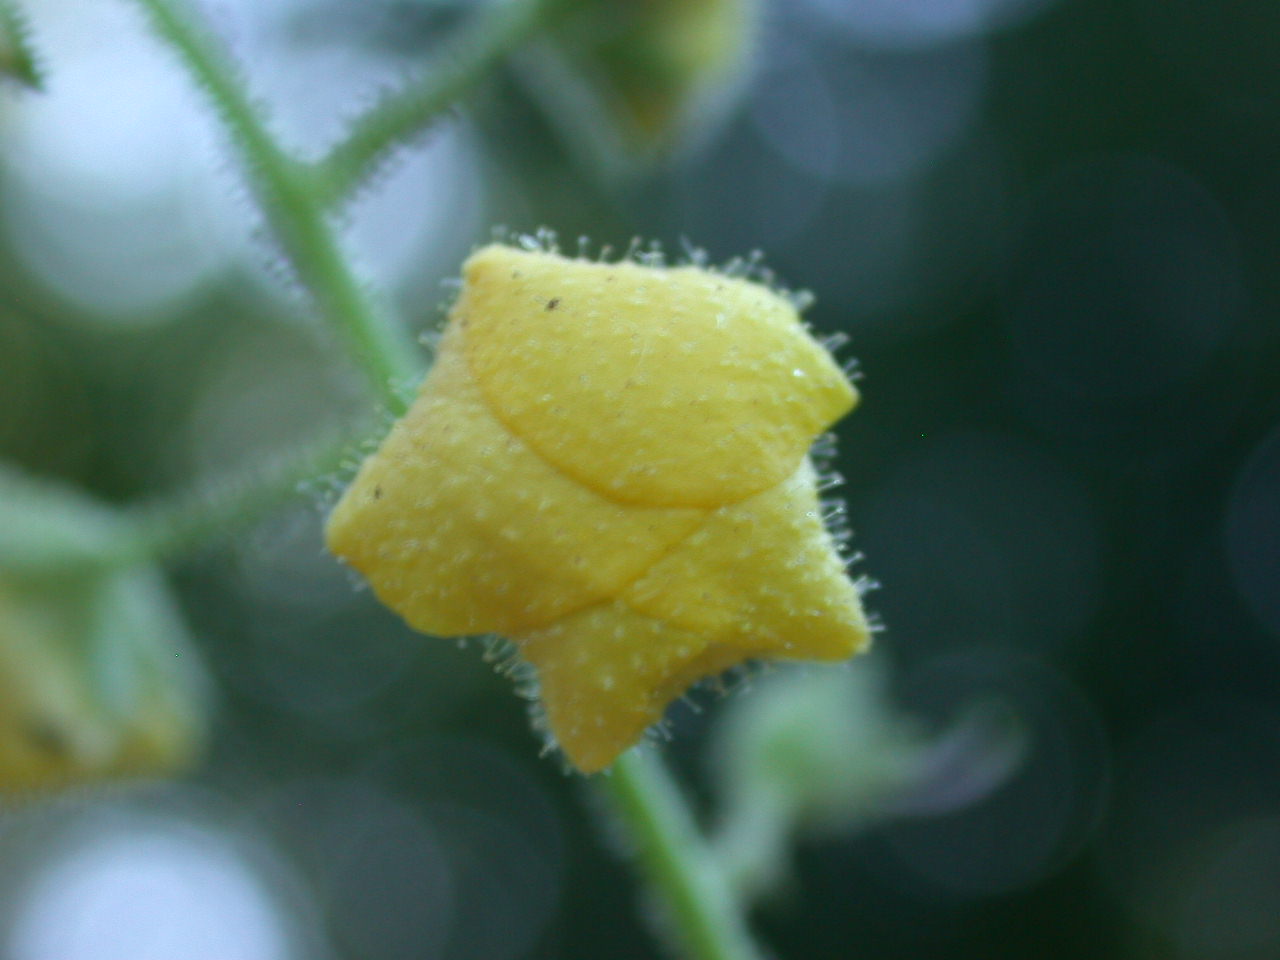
(607, 673)
(762, 574)
(660, 387)
(758, 579)
(461, 528)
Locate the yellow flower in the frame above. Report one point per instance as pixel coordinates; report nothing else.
(608, 465)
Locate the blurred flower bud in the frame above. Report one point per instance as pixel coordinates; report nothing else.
(97, 676)
(97, 682)
(828, 739)
(50, 729)
(149, 677)
(826, 752)
(17, 60)
(655, 72)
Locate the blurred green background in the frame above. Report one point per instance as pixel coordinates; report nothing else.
(1050, 229)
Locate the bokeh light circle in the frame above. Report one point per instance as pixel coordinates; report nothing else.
(1253, 532)
(1040, 818)
(116, 195)
(144, 881)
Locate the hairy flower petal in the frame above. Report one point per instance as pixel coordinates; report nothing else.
(758, 579)
(462, 529)
(608, 464)
(661, 387)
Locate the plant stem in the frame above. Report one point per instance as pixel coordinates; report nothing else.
(289, 200)
(405, 113)
(197, 517)
(705, 917)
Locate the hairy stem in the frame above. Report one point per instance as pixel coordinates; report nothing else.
(703, 916)
(291, 203)
(220, 509)
(406, 113)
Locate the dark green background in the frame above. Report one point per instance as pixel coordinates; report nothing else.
(1065, 474)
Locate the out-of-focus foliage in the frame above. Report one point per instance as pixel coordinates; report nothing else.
(639, 78)
(821, 755)
(1050, 229)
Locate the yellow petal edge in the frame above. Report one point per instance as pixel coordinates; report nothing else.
(660, 387)
(608, 465)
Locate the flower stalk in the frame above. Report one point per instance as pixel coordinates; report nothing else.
(702, 912)
(174, 526)
(288, 198)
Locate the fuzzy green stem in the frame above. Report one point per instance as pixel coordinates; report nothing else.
(406, 113)
(705, 918)
(220, 509)
(290, 202)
